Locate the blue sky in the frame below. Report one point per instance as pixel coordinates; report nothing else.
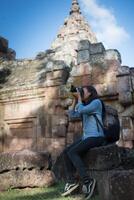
(32, 25)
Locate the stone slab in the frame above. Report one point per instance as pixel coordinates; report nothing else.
(26, 178)
(3, 45)
(116, 185)
(103, 158)
(97, 48)
(25, 159)
(83, 56)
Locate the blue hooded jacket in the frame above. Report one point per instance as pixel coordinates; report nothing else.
(85, 112)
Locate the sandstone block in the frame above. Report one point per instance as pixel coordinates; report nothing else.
(127, 128)
(26, 178)
(97, 48)
(113, 54)
(11, 54)
(132, 77)
(57, 77)
(82, 69)
(124, 89)
(117, 185)
(59, 130)
(25, 159)
(17, 144)
(97, 159)
(83, 56)
(1, 145)
(103, 158)
(52, 145)
(108, 90)
(84, 45)
(3, 45)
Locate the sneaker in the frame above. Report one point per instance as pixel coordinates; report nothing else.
(69, 188)
(88, 189)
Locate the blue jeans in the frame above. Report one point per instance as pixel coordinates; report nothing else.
(73, 157)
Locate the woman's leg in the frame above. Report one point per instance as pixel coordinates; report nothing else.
(76, 152)
(69, 168)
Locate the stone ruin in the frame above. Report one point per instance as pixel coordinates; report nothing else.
(34, 98)
(6, 53)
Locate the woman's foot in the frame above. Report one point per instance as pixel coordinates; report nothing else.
(88, 188)
(69, 188)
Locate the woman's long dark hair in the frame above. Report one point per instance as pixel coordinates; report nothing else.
(93, 91)
(94, 95)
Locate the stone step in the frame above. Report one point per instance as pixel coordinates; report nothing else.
(26, 178)
(24, 159)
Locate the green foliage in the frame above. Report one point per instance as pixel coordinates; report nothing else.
(38, 194)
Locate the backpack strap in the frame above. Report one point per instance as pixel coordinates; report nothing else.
(98, 122)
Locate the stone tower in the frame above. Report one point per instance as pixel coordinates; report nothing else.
(75, 29)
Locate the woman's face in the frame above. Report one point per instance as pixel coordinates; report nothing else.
(87, 94)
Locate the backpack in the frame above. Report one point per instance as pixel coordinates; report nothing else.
(111, 123)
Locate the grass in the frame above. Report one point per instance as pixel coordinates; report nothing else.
(38, 194)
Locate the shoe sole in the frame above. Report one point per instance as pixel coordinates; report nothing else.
(91, 193)
(70, 191)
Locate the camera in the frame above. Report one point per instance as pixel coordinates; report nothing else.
(77, 89)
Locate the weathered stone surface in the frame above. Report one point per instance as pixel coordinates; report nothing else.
(57, 77)
(4, 74)
(81, 70)
(100, 158)
(26, 178)
(83, 56)
(124, 89)
(132, 79)
(103, 158)
(97, 48)
(56, 65)
(31, 92)
(53, 145)
(116, 185)
(11, 54)
(3, 45)
(25, 159)
(5, 52)
(127, 158)
(113, 54)
(84, 45)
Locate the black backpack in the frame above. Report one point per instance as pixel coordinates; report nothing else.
(111, 123)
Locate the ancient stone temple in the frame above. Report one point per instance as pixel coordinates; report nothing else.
(35, 97)
(34, 93)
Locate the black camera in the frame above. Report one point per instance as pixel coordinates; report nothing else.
(77, 89)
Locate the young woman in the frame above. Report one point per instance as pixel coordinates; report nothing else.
(92, 136)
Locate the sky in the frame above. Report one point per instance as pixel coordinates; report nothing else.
(32, 25)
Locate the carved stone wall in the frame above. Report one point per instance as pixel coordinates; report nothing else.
(114, 83)
(34, 93)
(34, 97)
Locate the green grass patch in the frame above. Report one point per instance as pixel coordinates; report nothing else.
(39, 194)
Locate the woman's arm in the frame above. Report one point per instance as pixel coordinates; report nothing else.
(72, 113)
(90, 108)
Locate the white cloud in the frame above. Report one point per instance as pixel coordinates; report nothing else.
(105, 24)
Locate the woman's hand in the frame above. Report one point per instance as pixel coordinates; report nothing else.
(79, 97)
(75, 101)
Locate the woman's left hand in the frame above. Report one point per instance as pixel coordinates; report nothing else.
(79, 97)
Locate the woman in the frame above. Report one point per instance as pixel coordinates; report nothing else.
(92, 136)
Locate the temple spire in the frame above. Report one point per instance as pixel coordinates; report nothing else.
(75, 7)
